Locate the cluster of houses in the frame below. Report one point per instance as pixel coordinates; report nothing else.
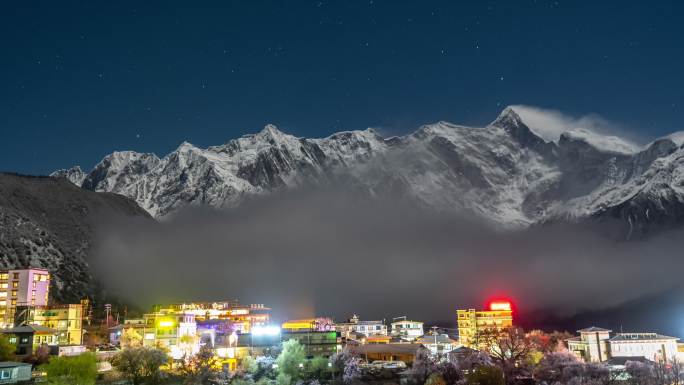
(236, 331)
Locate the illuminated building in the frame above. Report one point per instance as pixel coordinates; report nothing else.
(116, 332)
(22, 288)
(28, 338)
(317, 335)
(242, 317)
(368, 328)
(378, 339)
(471, 322)
(321, 324)
(438, 344)
(404, 352)
(174, 331)
(407, 330)
(596, 344)
(67, 320)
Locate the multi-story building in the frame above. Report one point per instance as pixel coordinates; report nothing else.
(22, 288)
(67, 320)
(406, 329)
(175, 331)
(596, 344)
(242, 317)
(438, 344)
(368, 328)
(472, 323)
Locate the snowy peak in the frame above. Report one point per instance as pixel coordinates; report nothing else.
(508, 172)
(508, 118)
(74, 175)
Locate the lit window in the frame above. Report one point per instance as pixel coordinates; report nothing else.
(15, 284)
(14, 301)
(33, 293)
(14, 293)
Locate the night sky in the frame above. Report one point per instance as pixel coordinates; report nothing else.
(80, 80)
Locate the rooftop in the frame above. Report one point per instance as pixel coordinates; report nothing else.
(594, 329)
(387, 348)
(12, 364)
(28, 329)
(641, 337)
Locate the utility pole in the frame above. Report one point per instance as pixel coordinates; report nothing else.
(434, 334)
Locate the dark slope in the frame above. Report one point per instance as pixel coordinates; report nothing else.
(49, 222)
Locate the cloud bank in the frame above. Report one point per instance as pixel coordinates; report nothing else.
(551, 124)
(333, 253)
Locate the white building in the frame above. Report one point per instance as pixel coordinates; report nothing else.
(407, 330)
(598, 345)
(438, 344)
(368, 328)
(652, 346)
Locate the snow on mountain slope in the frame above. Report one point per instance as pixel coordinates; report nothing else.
(503, 172)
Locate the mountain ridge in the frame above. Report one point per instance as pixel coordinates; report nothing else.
(503, 172)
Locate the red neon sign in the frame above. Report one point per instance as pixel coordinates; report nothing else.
(500, 306)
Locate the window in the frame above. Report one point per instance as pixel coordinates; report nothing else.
(33, 294)
(14, 293)
(3, 294)
(15, 284)
(14, 301)
(3, 285)
(4, 275)
(15, 276)
(5, 374)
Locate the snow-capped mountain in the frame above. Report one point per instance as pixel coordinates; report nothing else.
(503, 172)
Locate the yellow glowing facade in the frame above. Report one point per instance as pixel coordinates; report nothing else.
(67, 320)
(242, 317)
(299, 324)
(472, 322)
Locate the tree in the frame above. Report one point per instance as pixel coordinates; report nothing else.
(485, 375)
(250, 365)
(7, 349)
(558, 367)
(140, 365)
(339, 363)
(317, 368)
(39, 356)
(449, 373)
(509, 348)
(639, 372)
(78, 370)
(352, 370)
(472, 360)
(548, 342)
(291, 361)
(435, 379)
(200, 367)
(422, 367)
(130, 338)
